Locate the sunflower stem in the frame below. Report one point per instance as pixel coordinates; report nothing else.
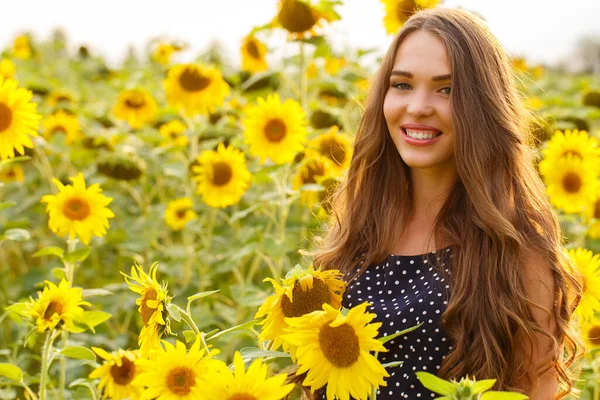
(283, 215)
(303, 78)
(596, 393)
(188, 320)
(70, 274)
(46, 349)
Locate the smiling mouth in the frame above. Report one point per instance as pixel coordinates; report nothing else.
(419, 134)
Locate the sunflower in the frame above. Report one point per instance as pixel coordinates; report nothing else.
(251, 384)
(334, 64)
(57, 97)
(577, 143)
(179, 212)
(57, 307)
(572, 183)
(153, 306)
(301, 17)
(162, 53)
(590, 333)
(116, 374)
(592, 214)
(588, 265)
(64, 123)
(19, 120)
(300, 293)
(313, 170)
(174, 133)
(253, 55)
(7, 69)
(77, 211)
(136, 106)
(397, 12)
(11, 173)
(334, 349)
(334, 146)
(196, 89)
(275, 130)
(221, 176)
(175, 374)
(22, 47)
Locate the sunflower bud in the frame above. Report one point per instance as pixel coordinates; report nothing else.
(321, 119)
(119, 166)
(592, 99)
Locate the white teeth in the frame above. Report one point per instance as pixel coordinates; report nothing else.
(420, 135)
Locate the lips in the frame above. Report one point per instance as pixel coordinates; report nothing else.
(420, 128)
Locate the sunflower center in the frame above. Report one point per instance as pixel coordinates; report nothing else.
(192, 81)
(53, 308)
(296, 16)
(594, 335)
(181, 213)
(253, 49)
(405, 9)
(572, 182)
(275, 130)
(135, 101)
(312, 171)
(339, 345)
(180, 380)
(334, 151)
(76, 209)
(124, 374)
(222, 173)
(58, 129)
(597, 210)
(306, 302)
(242, 396)
(5, 116)
(147, 312)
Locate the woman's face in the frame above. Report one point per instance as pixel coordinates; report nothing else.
(417, 102)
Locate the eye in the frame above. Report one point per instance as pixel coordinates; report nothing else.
(401, 85)
(446, 90)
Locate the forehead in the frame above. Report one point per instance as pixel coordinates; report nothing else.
(422, 52)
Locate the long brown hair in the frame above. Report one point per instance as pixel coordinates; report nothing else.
(496, 215)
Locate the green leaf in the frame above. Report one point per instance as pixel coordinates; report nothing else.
(78, 255)
(242, 327)
(200, 295)
(16, 234)
(243, 213)
(49, 251)
(15, 160)
(18, 308)
(94, 318)
(436, 384)
(11, 371)
(95, 292)
(385, 339)
(482, 386)
(174, 312)
(393, 364)
(254, 352)
(58, 273)
(503, 396)
(7, 204)
(189, 336)
(79, 353)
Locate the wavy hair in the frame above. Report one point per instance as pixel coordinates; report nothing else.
(496, 215)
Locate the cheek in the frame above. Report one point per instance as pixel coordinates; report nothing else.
(390, 108)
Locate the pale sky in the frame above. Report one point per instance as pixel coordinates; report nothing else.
(541, 30)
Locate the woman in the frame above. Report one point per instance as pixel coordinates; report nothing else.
(444, 208)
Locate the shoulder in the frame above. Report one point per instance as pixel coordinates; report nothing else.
(538, 281)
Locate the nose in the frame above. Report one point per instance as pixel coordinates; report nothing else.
(419, 104)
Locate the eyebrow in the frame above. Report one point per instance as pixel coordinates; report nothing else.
(446, 77)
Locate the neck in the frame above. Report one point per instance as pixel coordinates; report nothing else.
(430, 188)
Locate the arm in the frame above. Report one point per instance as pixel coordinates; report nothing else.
(539, 286)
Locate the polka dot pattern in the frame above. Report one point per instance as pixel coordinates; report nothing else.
(405, 291)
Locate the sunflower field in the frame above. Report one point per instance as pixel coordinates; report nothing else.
(154, 217)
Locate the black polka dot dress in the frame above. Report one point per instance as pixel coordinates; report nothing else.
(405, 291)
